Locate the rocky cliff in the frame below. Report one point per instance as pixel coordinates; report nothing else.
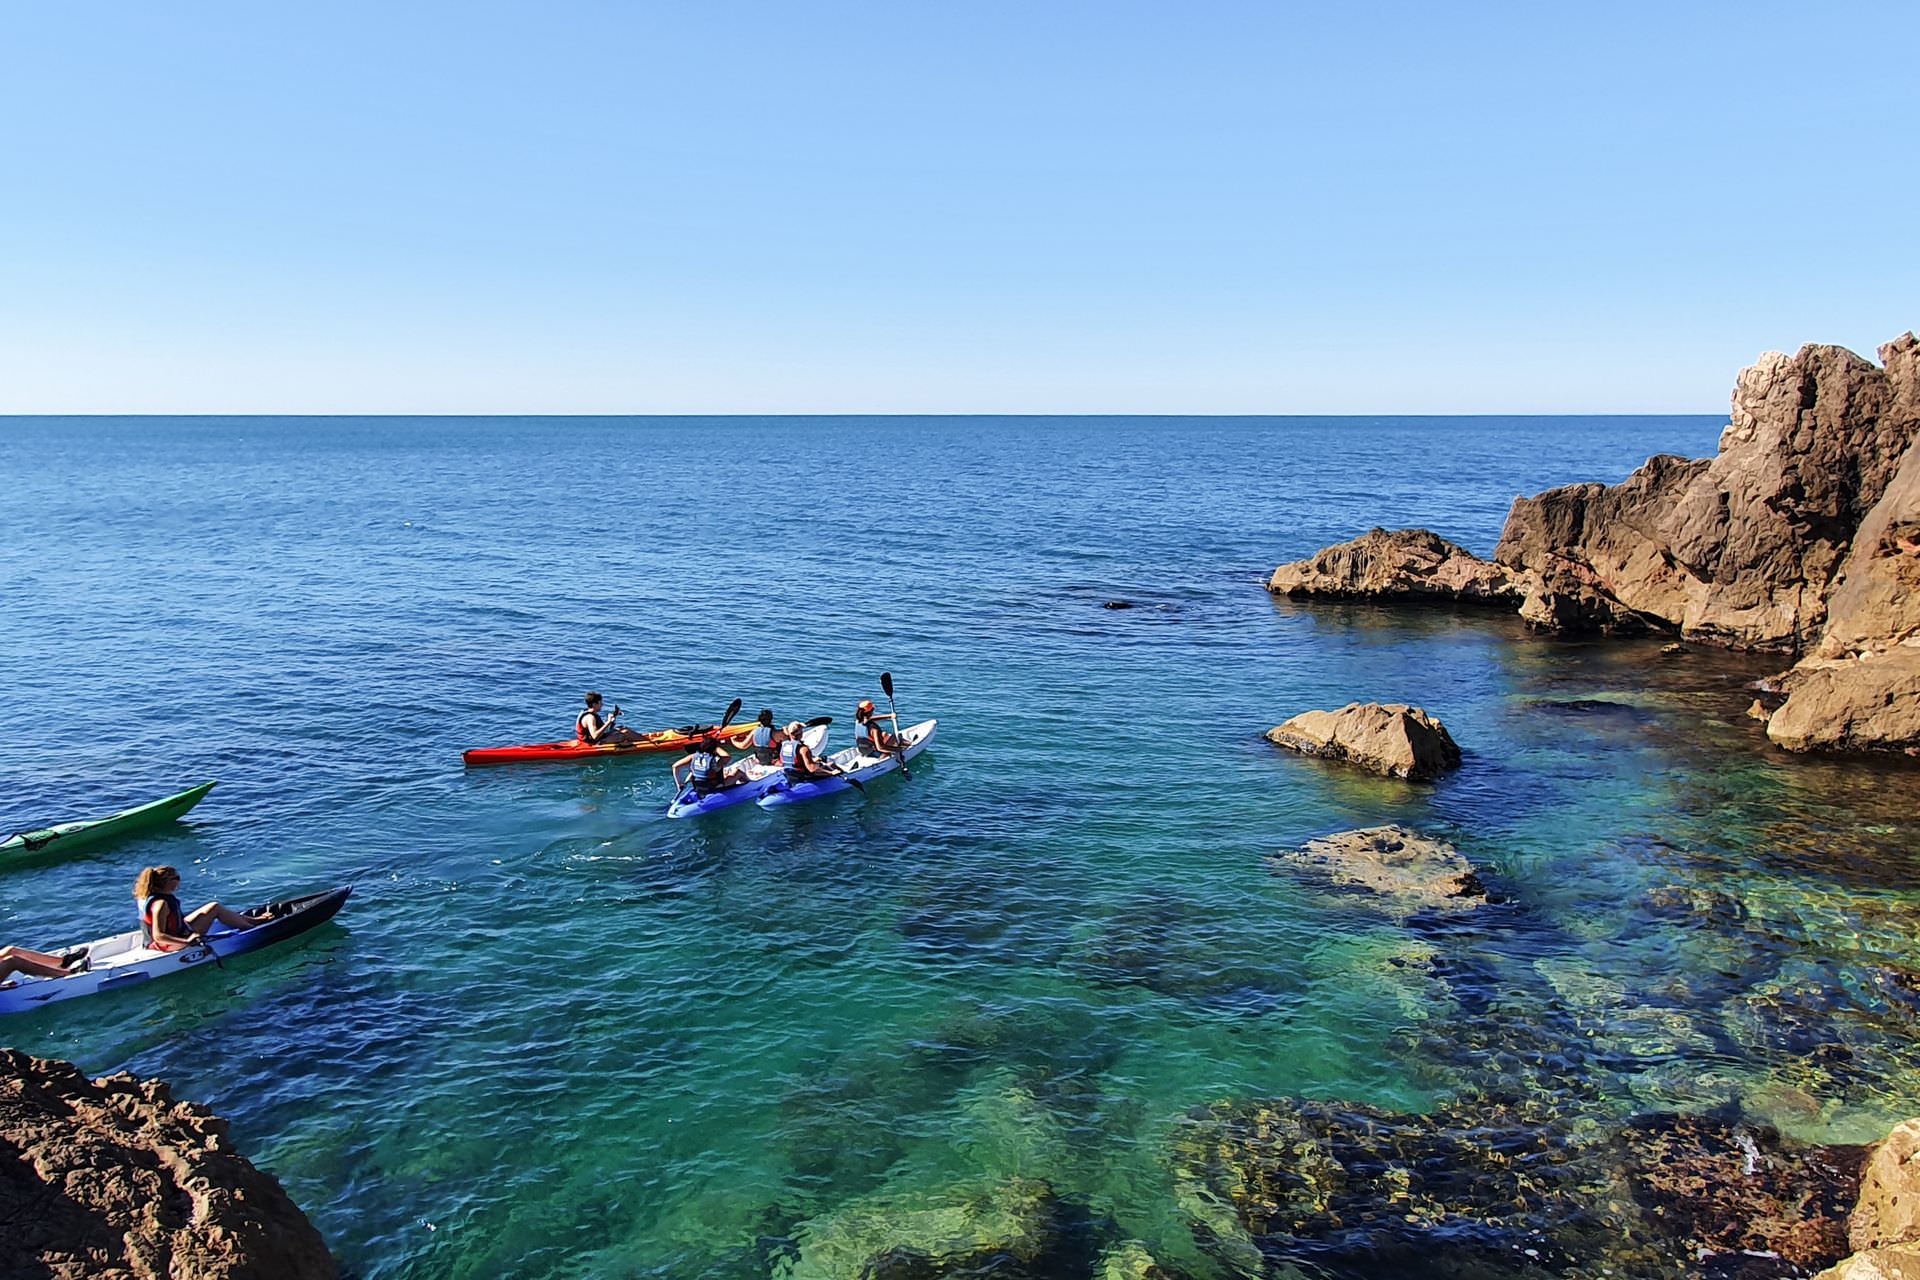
(1801, 536)
(112, 1179)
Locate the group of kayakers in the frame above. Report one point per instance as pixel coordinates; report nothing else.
(711, 767)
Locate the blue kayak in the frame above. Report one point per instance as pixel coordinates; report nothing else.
(852, 763)
(691, 804)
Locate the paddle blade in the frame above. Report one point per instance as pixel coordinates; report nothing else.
(886, 682)
(733, 709)
(817, 721)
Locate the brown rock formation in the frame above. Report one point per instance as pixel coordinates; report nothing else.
(113, 1180)
(1888, 1211)
(1405, 564)
(1400, 870)
(1802, 535)
(1396, 740)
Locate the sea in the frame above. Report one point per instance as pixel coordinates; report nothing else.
(556, 1033)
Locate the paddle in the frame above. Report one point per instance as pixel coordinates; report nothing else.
(886, 683)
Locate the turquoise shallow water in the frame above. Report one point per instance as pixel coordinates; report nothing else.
(555, 1033)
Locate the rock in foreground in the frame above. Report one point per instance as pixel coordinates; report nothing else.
(1401, 870)
(1392, 739)
(113, 1180)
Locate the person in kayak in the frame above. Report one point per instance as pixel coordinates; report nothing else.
(797, 760)
(706, 767)
(869, 736)
(766, 739)
(591, 728)
(165, 927)
(39, 964)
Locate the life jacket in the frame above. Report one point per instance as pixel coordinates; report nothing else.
(146, 916)
(790, 755)
(580, 729)
(705, 768)
(762, 743)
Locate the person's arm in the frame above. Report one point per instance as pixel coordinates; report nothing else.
(162, 934)
(683, 760)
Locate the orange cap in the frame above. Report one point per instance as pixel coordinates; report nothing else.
(865, 705)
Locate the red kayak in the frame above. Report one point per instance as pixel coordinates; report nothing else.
(649, 743)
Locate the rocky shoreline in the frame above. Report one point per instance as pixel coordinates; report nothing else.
(112, 1179)
(1800, 537)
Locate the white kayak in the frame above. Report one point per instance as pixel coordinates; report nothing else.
(124, 960)
(691, 804)
(853, 763)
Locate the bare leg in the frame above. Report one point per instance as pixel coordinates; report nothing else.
(199, 921)
(38, 963)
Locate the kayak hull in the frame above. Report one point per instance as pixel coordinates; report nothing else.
(860, 767)
(123, 961)
(691, 804)
(576, 752)
(66, 837)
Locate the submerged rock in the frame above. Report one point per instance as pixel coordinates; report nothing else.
(1477, 1189)
(1400, 870)
(1393, 739)
(1015, 1230)
(113, 1179)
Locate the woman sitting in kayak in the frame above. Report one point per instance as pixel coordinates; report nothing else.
(39, 964)
(593, 729)
(706, 767)
(164, 926)
(797, 760)
(869, 736)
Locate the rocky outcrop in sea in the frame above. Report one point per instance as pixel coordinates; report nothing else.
(1394, 740)
(1801, 536)
(112, 1179)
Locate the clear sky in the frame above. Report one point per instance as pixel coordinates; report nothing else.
(986, 207)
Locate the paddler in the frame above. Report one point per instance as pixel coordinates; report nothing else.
(797, 759)
(706, 767)
(591, 728)
(765, 741)
(867, 733)
(165, 927)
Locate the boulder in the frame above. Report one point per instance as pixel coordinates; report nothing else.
(1888, 1211)
(1401, 870)
(1895, 1262)
(1392, 739)
(1405, 564)
(1867, 703)
(112, 1179)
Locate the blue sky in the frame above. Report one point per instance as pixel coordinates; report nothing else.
(1116, 207)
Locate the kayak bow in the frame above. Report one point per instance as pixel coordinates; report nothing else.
(67, 836)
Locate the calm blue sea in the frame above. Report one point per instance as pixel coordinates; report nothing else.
(555, 1033)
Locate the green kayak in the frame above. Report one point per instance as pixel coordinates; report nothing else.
(74, 835)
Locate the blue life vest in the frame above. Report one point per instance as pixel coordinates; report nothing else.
(763, 744)
(705, 765)
(863, 736)
(790, 754)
